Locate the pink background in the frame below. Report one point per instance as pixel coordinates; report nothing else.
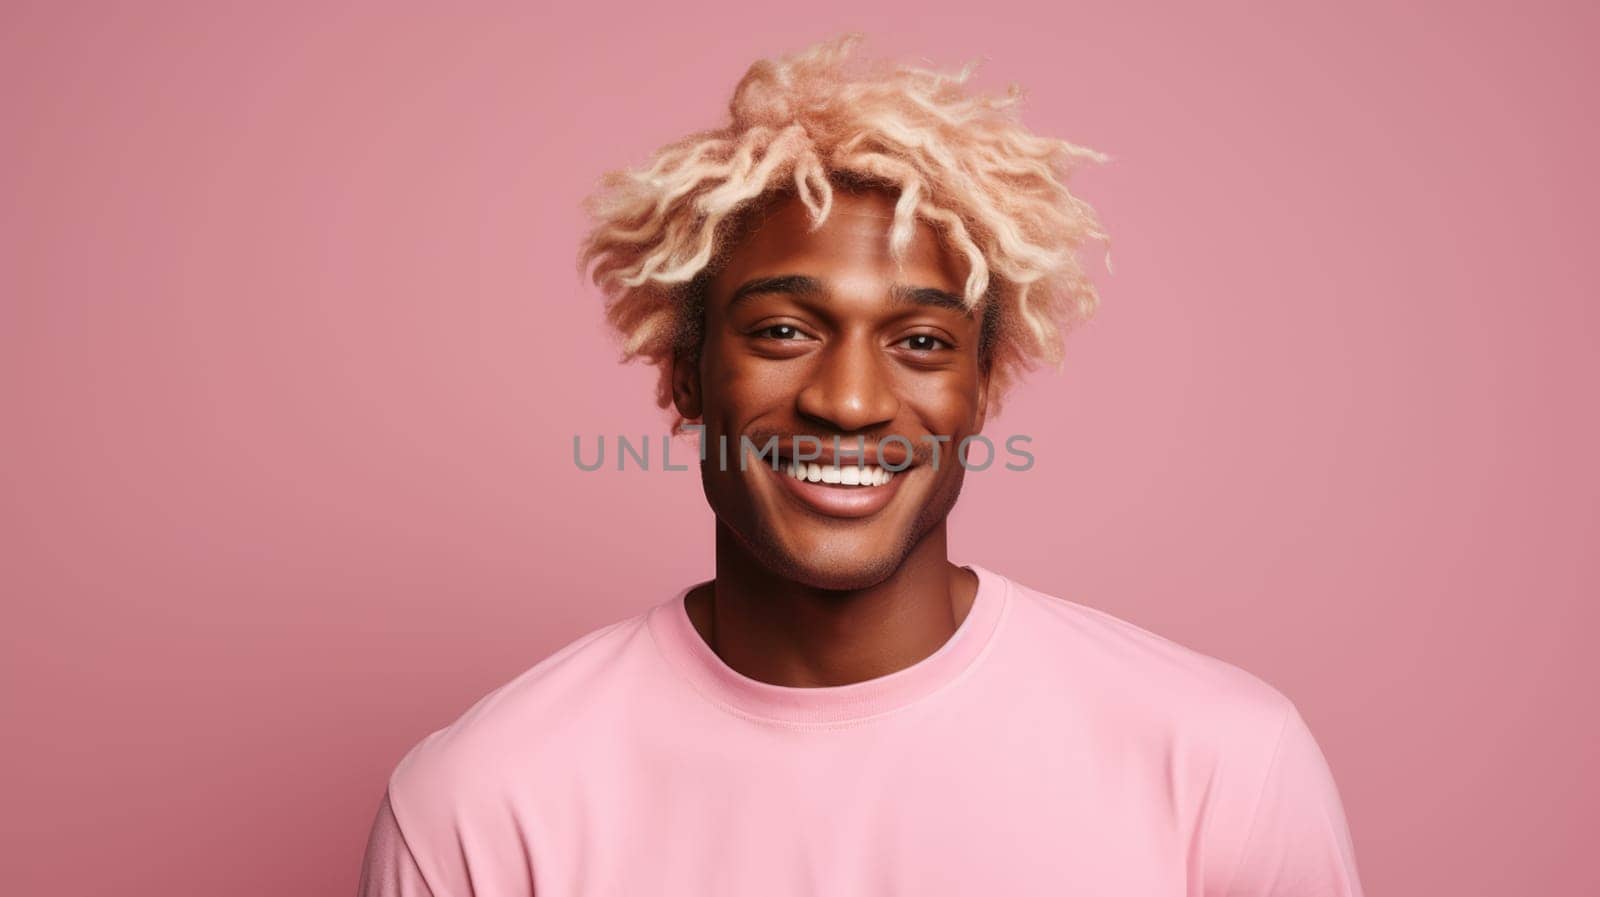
(292, 351)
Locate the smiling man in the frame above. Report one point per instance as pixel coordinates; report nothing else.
(848, 275)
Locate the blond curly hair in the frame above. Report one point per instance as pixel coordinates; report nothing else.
(804, 125)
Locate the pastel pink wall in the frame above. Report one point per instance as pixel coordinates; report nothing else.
(292, 350)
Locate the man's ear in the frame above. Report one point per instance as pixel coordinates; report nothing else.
(983, 402)
(686, 394)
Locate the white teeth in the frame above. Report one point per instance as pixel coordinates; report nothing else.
(844, 476)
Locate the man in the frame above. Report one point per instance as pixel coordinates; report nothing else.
(866, 252)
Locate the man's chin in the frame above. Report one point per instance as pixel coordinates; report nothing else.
(843, 554)
(836, 571)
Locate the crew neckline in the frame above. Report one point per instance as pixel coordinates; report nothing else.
(677, 638)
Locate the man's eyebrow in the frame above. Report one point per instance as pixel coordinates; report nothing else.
(805, 285)
(930, 296)
(792, 284)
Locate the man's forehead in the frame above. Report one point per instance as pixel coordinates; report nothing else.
(847, 204)
(854, 235)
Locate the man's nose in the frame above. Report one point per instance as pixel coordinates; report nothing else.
(849, 389)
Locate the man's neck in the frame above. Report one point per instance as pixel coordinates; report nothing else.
(782, 632)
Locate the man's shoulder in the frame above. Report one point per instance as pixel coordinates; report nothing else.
(541, 711)
(1231, 753)
(1121, 668)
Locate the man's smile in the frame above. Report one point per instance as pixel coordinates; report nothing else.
(835, 475)
(828, 489)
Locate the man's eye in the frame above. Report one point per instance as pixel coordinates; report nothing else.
(780, 332)
(923, 342)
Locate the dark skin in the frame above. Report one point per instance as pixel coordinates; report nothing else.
(820, 332)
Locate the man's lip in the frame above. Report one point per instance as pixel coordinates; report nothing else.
(837, 501)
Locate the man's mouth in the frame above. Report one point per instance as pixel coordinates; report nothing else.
(832, 490)
(836, 475)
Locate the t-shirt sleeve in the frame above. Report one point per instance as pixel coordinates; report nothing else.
(389, 868)
(1298, 843)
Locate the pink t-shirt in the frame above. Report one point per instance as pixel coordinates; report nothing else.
(1046, 748)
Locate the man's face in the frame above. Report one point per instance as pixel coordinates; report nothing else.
(819, 333)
